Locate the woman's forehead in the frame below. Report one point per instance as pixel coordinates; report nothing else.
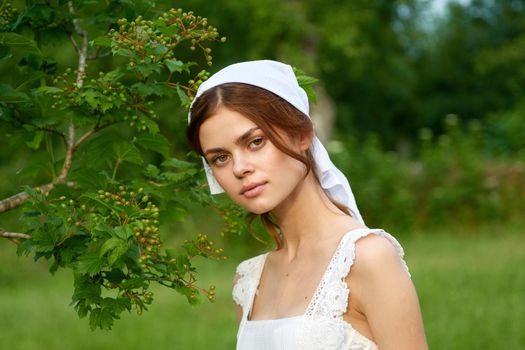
(224, 126)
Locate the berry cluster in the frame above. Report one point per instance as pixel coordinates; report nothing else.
(136, 209)
(140, 115)
(234, 217)
(200, 246)
(104, 90)
(193, 84)
(102, 95)
(146, 42)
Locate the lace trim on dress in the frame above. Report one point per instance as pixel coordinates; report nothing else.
(331, 296)
(330, 300)
(249, 273)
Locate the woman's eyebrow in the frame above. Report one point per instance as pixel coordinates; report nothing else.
(244, 137)
(241, 139)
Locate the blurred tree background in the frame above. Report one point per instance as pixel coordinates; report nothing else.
(429, 107)
(426, 116)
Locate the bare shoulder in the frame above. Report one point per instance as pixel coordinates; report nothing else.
(374, 251)
(382, 291)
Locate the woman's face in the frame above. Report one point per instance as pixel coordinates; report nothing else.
(250, 169)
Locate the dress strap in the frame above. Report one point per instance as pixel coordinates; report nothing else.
(360, 233)
(331, 298)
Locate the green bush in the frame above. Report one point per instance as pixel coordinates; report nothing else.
(453, 179)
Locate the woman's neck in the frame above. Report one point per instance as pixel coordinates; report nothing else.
(308, 216)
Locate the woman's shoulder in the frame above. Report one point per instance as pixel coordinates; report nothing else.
(373, 249)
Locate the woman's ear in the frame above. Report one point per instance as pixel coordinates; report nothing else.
(306, 140)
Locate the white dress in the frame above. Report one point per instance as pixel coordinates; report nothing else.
(322, 326)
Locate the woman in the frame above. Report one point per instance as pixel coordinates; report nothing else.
(332, 283)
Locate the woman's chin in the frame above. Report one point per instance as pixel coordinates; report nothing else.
(257, 209)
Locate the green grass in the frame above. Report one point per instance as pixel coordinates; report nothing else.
(471, 289)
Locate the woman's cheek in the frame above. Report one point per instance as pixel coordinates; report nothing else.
(225, 181)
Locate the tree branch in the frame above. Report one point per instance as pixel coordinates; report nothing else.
(97, 54)
(70, 149)
(6, 234)
(82, 50)
(90, 133)
(14, 236)
(19, 198)
(53, 131)
(74, 42)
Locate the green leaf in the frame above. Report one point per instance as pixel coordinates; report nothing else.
(90, 263)
(177, 163)
(22, 43)
(182, 261)
(159, 49)
(93, 98)
(175, 65)
(167, 30)
(154, 142)
(152, 170)
(115, 305)
(101, 41)
(126, 152)
(157, 89)
(28, 79)
(37, 140)
(10, 95)
(307, 83)
(125, 53)
(118, 252)
(179, 177)
(82, 309)
(109, 245)
(49, 90)
(117, 248)
(123, 232)
(85, 290)
(99, 149)
(133, 283)
(146, 69)
(100, 318)
(44, 240)
(88, 178)
(184, 99)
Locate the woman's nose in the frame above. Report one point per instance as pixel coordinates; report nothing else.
(242, 166)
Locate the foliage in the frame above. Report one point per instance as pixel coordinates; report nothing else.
(474, 64)
(458, 179)
(100, 210)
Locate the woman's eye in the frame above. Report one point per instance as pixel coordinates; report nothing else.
(220, 159)
(256, 142)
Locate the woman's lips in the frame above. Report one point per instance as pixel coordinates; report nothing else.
(253, 190)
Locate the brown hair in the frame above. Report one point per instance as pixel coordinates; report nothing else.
(269, 112)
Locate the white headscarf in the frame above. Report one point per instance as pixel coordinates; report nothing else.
(280, 79)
